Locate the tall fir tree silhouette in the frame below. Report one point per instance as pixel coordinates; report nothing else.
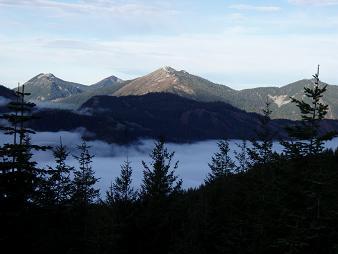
(306, 138)
(84, 191)
(261, 150)
(121, 191)
(19, 173)
(159, 179)
(221, 163)
(242, 157)
(57, 187)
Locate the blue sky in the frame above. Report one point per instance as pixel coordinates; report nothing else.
(237, 43)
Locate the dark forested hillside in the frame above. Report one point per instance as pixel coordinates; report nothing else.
(127, 118)
(118, 119)
(6, 93)
(173, 116)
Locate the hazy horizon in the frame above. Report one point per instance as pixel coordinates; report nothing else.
(239, 87)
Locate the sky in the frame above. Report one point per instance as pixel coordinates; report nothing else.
(241, 44)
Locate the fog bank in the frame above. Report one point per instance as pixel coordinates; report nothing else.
(193, 158)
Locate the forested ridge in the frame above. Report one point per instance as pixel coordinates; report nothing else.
(257, 202)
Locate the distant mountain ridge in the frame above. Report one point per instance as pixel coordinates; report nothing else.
(252, 99)
(107, 86)
(184, 84)
(107, 82)
(129, 118)
(47, 87)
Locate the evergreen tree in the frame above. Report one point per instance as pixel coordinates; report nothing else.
(18, 172)
(159, 179)
(84, 192)
(306, 139)
(57, 187)
(242, 157)
(121, 190)
(261, 150)
(110, 197)
(221, 162)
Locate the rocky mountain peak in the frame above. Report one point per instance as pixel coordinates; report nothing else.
(168, 69)
(114, 79)
(45, 76)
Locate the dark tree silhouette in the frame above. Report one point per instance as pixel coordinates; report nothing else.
(159, 179)
(261, 150)
(57, 187)
(221, 163)
(306, 137)
(121, 191)
(241, 157)
(18, 172)
(84, 192)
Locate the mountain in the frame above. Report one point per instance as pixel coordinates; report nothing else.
(50, 91)
(47, 87)
(111, 81)
(184, 84)
(252, 100)
(169, 80)
(104, 87)
(163, 80)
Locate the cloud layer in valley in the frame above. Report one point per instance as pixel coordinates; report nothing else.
(193, 158)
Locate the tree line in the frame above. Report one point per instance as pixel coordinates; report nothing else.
(261, 202)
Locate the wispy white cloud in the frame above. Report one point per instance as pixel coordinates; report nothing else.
(314, 2)
(260, 8)
(67, 44)
(95, 6)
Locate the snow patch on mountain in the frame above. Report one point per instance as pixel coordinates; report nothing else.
(45, 75)
(280, 100)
